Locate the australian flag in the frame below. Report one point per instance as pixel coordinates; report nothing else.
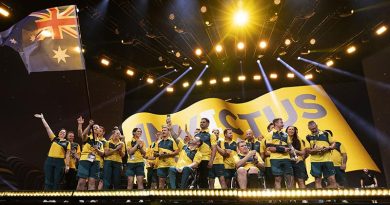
(47, 40)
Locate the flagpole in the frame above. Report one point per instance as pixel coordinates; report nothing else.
(85, 73)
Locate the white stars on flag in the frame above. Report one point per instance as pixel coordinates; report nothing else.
(13, 41)
(60, 55)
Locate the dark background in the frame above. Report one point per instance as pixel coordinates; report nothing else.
(62, 96)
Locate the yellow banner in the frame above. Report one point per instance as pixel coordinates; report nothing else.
(296, 105)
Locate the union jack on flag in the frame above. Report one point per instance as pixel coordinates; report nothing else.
(57, 22)
(47, 40)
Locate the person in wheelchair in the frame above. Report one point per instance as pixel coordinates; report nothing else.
(248, 164)
(189, 159)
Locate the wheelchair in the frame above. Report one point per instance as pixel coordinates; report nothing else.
(261, 178)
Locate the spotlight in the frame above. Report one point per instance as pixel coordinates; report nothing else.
(105, 61)
(213, 81)
(381, 30)
(241, 78)
(175, 70)
(207, 23)
(299, 58)
(258, 61)
(77, 49)
(312, 41)
(276, 2)
(218, 48)
(240, 18)
(256, 77)
(199, 82)
(290, 75)
(203, 9)
(240, 45)
(329, 63)
(263, 44)
(198, 51)
(309, 76)
(226, 79)
(129, 72)
(190, 68)
(273, 75)
(278, 59)
(4, 12)
(46, 33)
(185, 84)
(287, 42)
(170, 89)
(150, 80)
(178, 54)
(207, 66)
(351, 49)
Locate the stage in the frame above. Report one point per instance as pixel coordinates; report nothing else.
(330, 196)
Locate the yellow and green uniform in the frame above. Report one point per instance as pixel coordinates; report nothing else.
(267, 160)
(135, 162)
(277, 139)
(101, 164)
(72, 161)
(88, 149)
(218, 159)
(322, 139)
(250, 162)
(136, 157)
(54, 164)
(218, 169)
(208, 140)
(229, 162)
(167, 146)
(115, 157)
(337, 159)
(280, 160)
(254, 145)
(336, 154)
(58, 147)
(89, 165)
(112, 165)
(151, 170)
(321, 163)
(149, 154)
(187, 155)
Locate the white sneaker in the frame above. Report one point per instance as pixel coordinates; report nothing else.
(128, 201)
(81, 201)
(49, 201)
(141, 201)
(344, 201)
(93, 201)
(304, 202)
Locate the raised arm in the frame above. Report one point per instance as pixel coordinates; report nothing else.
(47, 127)
(80, 122)
(175, 135)
(86, 130)
(187, 132)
